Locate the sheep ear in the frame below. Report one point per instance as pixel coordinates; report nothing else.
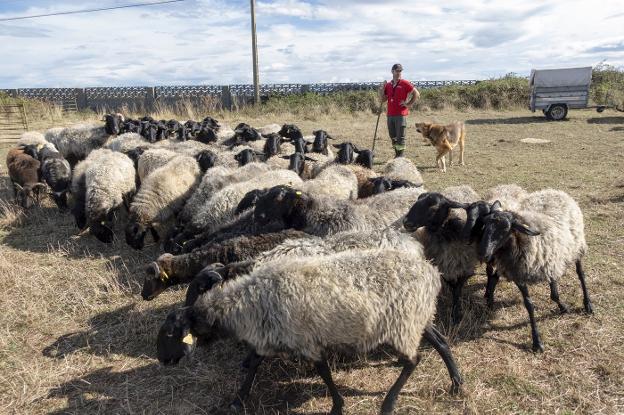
(457, 205)
(308, 158)
(355, 149)
(329, 136)
(315, 131)
(337, 145)
(496, 206)
(524, 228)
(285, 157)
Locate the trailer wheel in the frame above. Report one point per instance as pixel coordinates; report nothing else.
(557, 112)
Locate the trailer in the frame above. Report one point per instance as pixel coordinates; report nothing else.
(555, 91)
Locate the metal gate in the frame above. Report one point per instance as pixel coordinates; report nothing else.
(13, 122)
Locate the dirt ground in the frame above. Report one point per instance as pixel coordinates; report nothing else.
(77, 338)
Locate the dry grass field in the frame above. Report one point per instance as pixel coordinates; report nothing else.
(77, 338)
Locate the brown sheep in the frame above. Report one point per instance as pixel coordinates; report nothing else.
(24, 174)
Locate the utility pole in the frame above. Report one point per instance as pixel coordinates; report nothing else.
(254, 50)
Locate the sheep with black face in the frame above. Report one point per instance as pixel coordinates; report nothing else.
(537, 243)
(437, 221)
(361, 298)
(322, 215)
(113, 123)
(169, 270)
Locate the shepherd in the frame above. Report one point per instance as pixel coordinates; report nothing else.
(400, 95)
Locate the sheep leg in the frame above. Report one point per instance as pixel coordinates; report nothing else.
(437, 340)
(253, 361)
(589, 309)
(323, 370)
(387, 407)
(537, 343)
(456, 287)
(554, 295)
(492, 280)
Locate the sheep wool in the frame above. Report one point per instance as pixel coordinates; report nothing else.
(221, 206)
(509, 195)
(165, 190)
(214, 180)
(77, 141)
(306, 304)
(561, 242)
(337, 181)
(108, 181)
(402, 168)
(153, 159)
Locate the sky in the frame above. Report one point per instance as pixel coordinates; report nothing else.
(209, 41)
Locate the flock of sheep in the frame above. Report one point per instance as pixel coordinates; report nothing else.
(291, 248)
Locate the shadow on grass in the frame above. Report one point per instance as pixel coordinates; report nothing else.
(156, 389)
(514, 120)
(125, 331)
(617, 129)
(606, 120)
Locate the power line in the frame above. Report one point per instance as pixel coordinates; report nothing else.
(154, 3)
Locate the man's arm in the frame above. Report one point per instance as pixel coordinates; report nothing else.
(412, 97)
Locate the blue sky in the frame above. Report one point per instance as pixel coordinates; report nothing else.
(208, 41)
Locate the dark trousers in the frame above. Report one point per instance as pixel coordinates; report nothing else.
(396, 128)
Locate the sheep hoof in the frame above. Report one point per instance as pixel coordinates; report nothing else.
(456, 387)
(538, 347)
(589, 309)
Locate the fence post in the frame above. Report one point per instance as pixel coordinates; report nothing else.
(226, 97)
(13, 93)
(150, 98)
(81, 99)
(305, 88)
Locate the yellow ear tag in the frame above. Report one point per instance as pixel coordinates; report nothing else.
(102, 223)
(188, 339)
(298, 193)
(39, 146)
(163, 276)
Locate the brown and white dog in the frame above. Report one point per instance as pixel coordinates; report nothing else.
(444, 138)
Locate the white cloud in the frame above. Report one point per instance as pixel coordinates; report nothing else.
(208, 41)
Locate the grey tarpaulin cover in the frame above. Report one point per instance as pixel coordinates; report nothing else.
(561, 77)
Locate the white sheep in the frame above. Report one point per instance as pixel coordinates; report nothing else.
(109, 182)
(126, 142)
(402, 168)
(161, 196)
(153, 159)
(337, 181)
(77, 141)
(306, 305)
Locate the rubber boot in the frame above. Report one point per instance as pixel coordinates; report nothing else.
(398, 153)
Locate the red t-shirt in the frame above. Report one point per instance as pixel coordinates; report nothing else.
(396, 94)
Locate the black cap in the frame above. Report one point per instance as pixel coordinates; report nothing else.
(397, 67)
